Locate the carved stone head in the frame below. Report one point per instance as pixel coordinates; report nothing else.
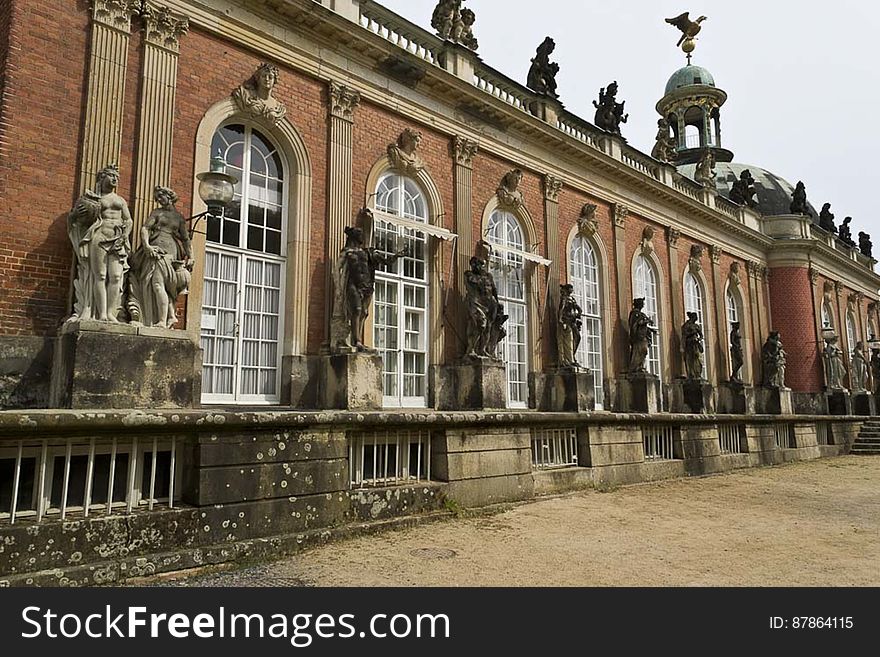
(108, 177)
(264, 79)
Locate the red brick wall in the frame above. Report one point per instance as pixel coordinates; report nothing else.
(791, 297)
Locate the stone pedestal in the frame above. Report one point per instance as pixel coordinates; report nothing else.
(351, 382)
(692, 396)
(736, 398)
(471, 386)
(839, 402)
(109, 365)
(638, 393)
(565, 391)
(770, 400)
(863, 403)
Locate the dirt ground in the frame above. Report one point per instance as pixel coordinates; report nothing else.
(810, 523)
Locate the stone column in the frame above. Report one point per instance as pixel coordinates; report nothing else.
(342, 103)
(463, 151)
(722, 352)
(102, 129)
(676, 296)
(552, 187)
(624, 285)
(755, 320)
(162, 32)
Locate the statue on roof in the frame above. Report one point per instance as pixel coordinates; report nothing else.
(826, 219)
(609, 113)
(865, 245)
(665, 146)
(689, 30)
(799, 200)
(705, 171)
(455, 23)
(844, 233)
(542, 74)
(743, 190)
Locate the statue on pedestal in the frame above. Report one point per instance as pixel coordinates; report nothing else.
(486, 316)
(859, 368)
(844, 233)
(609, 113)
(641, 333)
(799, 200)
(692, 338)
(542, 74)
(865, 245)
(834, 367)
(743, 190)
(455, 23)
(664, 146)
(736, 352)
(568, 334)
(826, 219)
(773, 358)
(99, 227)
(875, 369)
(161, 267)
(705, 171)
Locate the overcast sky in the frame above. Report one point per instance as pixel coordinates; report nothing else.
(801, 77)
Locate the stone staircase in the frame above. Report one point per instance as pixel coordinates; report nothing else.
(868, 441)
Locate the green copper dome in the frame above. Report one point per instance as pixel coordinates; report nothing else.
(689, 75)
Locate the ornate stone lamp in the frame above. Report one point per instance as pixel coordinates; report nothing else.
(216, 189)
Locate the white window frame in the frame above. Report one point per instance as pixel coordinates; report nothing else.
(584, 275)
(644, 281)
(852, 334)
(695, 302)
(827, 316)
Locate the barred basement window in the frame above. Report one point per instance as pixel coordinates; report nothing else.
(824, 433)
(659, 442)
(388, 458)
(554, 448)
(40, 479)
(784, 435)
(732, 438)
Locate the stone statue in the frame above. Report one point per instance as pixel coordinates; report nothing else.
(454, 23)
(509, 195)
(865, 245)
(859, 368)
(403, 153)
(743, 190)
(542, 74)
(736, 353)
(609, 113)
(486, 316)
(875, 369)
(664, 146)
(254, 98)
(692, 339)
(705, 171)
(356, 271)
(160, 268)
(844, 233)
(568, 335)
(799, 200)
(99, 227)
(834, 367)
(773, 358)
(463, 29)
(826, 219)
(641, 334)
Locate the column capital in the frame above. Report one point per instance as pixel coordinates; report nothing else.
(115, 13)
(621, 212)
(672, 236)
(814, 276)
(163, 28)
(552, 187)
(464, 150)
(343, 101)
(715, 252)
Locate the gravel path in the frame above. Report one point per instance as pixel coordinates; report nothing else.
(811, 523)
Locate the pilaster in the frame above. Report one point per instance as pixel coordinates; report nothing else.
(463, 152)
(624, 284)
(552, 187)
(675, 278)
(722, 351)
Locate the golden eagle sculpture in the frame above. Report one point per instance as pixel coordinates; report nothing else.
(689, 29)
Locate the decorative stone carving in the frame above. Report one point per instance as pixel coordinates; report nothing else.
(552, 187)
(814, 276)
(402, 153)
(609, 113)
(455, 23)
(715, 252)
(828, 291)
(115, 13)
(875, 369)
(664, 145)
(641, 334)
(343, 101)
(859, 368)
(773, 359)
(160, 268)
(865, 245)
(254, 98)
(844, 233)
(163, 28)
(692, 339)
(799, 200)
(542, 74)
(752, 268)
(646, 246)
(695, 261)
(705, 174)
(672, 236)
(735, 277)
(838, 288)
(508, 193)
(568, 335)
(464, 150)
(743, 190)
(737, 357)
(486, 316)
(826, 219)
(99, 227)
(621, 212)
(587, 223)
(832, 356)
(356, 270)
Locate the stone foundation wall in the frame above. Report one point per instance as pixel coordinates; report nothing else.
(25, 364)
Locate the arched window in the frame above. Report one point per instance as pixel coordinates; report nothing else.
(400, 303)
(584, 276)
(827, 317)
(852, 333)
(872, 330)
(645, 286)
(693, 303)
(733, 314)
(508, 268)
(245, 262)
